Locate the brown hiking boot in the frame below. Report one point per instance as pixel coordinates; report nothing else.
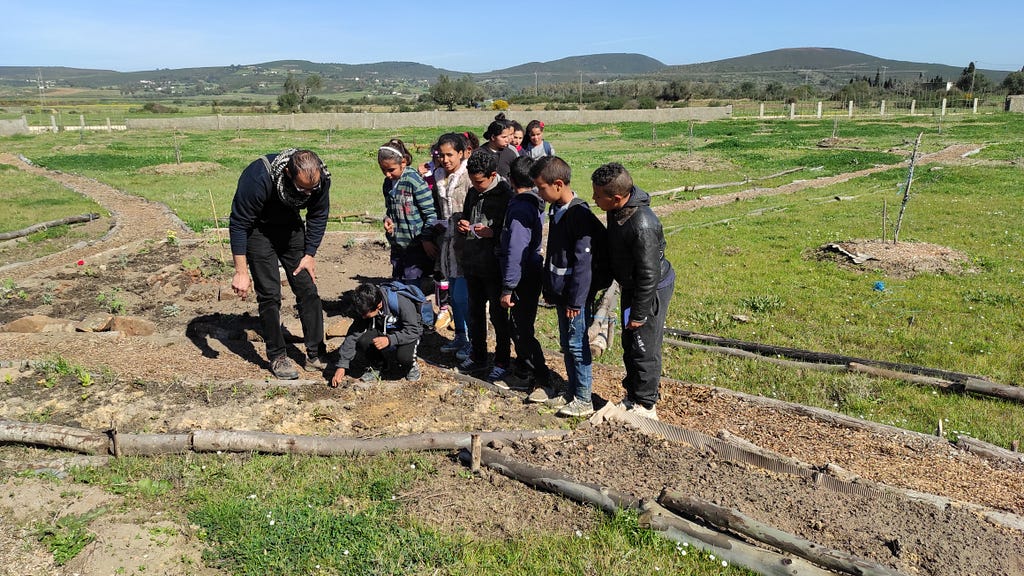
(283, 368)
(315, 364)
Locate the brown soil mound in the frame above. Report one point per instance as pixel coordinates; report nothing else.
(902, 260)
(183, 168)
(694, 162)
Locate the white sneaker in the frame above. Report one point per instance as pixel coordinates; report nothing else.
(626, 404)
(577, 408)
(639, 410)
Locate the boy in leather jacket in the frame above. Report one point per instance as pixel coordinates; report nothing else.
(636, 250)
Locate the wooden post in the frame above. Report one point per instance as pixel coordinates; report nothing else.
(943, 107)
(906, 190)
(975, 106)
(475, 451)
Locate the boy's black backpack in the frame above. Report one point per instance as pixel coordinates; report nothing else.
(393, 288)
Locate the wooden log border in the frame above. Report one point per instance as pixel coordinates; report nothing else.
(946, 379)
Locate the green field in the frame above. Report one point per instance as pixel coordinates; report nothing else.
(744, 258)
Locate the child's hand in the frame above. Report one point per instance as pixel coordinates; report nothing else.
(381, 342)
(389, 226)
(339, 377)
(464, 226)
(506, 301)
(482, 231)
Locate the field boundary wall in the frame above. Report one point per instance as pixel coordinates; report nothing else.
(430, 119)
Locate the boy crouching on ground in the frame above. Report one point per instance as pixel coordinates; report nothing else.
(387, 325)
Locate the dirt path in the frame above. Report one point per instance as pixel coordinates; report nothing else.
(949, 155)
(201, 371)
(135, 219)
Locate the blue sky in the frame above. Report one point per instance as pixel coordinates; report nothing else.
(469, 36)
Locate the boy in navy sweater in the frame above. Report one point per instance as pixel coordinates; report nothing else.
(521, 267)
(567, 278)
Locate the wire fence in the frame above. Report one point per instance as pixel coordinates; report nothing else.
(898, 106)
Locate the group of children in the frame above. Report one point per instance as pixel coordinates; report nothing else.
(476, 223)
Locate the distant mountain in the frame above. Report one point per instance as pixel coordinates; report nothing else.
(790, 66)
(817, 65)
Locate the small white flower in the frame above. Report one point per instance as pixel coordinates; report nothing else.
(712, 556)
(345, 553)
(271, 522)
(579, 534)
(682, 552)
(724, 563)
(657, 569)
(413, 466)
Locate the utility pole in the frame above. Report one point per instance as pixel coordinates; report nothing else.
(581, 89)
(536, 87)
(884, 68)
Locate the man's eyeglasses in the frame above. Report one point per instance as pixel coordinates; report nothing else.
(306, 191)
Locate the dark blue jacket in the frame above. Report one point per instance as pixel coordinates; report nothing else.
(257, 205)
(567, 267)
(519, 250)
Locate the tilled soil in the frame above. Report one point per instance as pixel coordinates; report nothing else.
(204, 369)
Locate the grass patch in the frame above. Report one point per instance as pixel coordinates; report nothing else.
(310, 515)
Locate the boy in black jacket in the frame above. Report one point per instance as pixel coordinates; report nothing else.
(483, 218)
(379, 331)
(521, 267)
(636, 250)
(572, 231)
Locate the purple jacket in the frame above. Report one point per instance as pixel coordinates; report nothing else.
(519, 250)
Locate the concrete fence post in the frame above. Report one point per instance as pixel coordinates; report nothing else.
(109, 129)
(850, 108)
(81, 122)
(881, 111)
(53, 123)
(819, 109)
(792, 110)
(943, 107)
(760, 113)
(975, 106)
(913, 104)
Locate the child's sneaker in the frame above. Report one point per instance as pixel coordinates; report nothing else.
(645, 412)
(470, 366)
(540, 395)
(497, 377)
(465, 352)
(444, 318)
(457, 343)
(370, 375)
(413, 375)
(577, 408)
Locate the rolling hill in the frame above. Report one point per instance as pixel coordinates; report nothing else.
(789, 66)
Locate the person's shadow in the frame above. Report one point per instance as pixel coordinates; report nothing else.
(233, 331)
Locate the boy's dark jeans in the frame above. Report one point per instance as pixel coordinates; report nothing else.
(267, 248)
(367, 355)
(641, 352)
(523, 317)
(484, 291)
